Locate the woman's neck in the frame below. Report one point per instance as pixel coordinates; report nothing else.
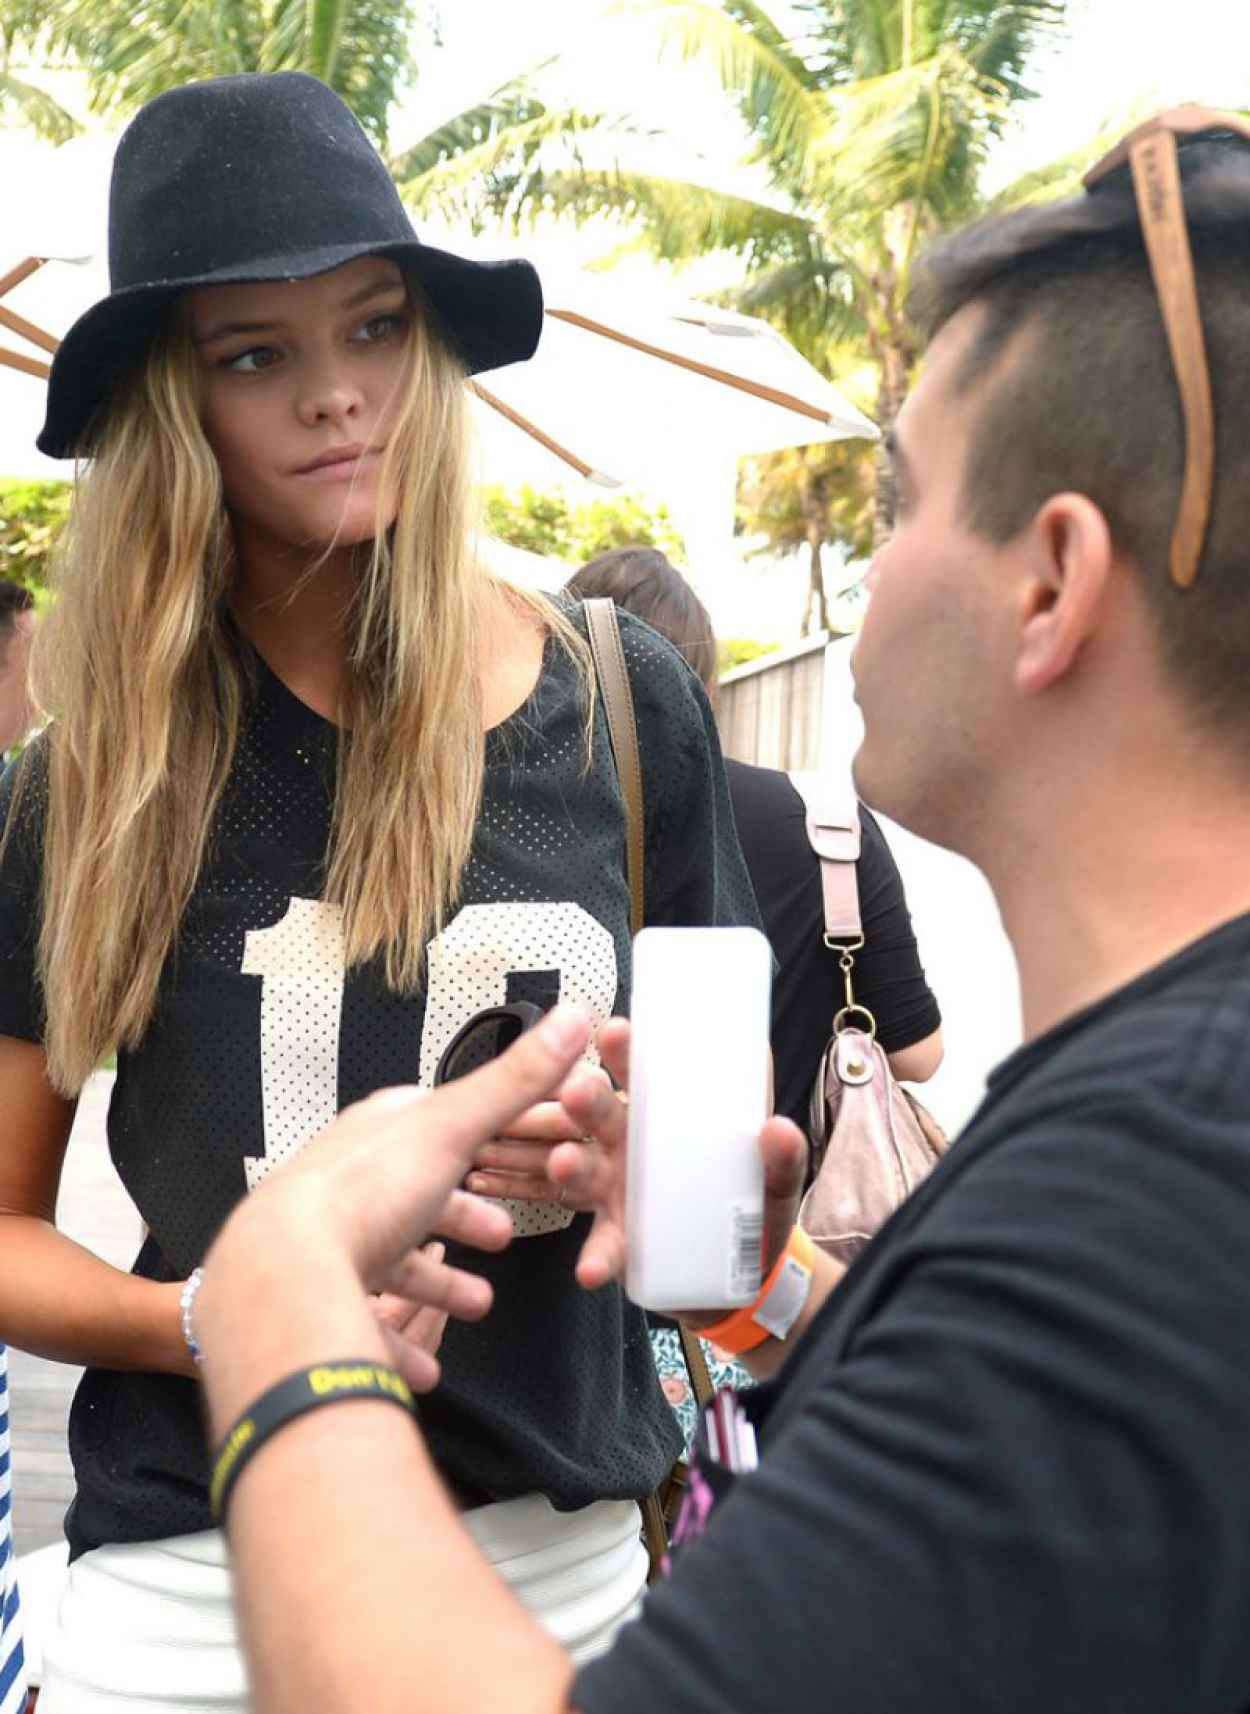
(297, 618)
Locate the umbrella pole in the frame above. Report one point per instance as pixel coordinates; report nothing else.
(27, 365)
(535, 433)
(19, 325)
(23, 271)
(773, 395)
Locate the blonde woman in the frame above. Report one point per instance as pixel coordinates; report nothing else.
(317, 790)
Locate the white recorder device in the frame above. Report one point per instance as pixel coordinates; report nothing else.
(699, 1073)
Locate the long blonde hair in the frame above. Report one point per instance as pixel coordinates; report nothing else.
(140, 668)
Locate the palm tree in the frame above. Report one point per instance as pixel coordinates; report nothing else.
(129, 53)
(871, 130)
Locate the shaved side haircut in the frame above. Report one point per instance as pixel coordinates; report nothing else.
(1075, 392)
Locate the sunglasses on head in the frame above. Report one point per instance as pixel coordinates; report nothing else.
(1150, 156)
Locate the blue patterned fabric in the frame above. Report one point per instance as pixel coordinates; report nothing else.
(12, 1663)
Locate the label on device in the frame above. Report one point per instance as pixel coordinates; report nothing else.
(746, 1236)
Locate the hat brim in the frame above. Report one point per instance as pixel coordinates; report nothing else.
(491, 312)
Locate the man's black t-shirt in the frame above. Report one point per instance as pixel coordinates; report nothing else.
(1008, 1469)
(260, 1035)
(807, 989)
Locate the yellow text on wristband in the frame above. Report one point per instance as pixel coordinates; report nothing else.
(778, 1306)
(325, 1384)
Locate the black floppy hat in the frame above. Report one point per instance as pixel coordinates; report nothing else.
(263, 176)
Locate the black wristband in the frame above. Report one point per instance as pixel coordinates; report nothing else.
(327, 1384)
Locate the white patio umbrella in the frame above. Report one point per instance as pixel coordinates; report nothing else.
(641, 390)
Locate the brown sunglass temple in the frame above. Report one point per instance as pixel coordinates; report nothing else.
(1150, 150)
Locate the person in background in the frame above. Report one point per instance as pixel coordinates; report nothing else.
(1002, 1463)
(17, 628)
(785, 872)
(771, 822)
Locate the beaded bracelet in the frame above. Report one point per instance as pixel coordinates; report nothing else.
(778, 1306)
(327, 1384)
(194, 1281)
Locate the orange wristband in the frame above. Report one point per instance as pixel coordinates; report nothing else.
(753, 1323)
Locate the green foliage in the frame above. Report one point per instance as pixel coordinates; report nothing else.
(25, 103)
(806, 496)
(737, 651)
(31, 516)
(546, 523)
(361, 48)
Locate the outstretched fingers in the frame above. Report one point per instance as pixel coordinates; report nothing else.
(593, 1171)
(470, 1220)
(419, 1281)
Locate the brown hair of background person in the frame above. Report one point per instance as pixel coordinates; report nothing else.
(17, 618)
(643, 581)
(772, 829)
(1070, 316)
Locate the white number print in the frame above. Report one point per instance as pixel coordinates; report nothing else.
(469, 967)
(300, 962)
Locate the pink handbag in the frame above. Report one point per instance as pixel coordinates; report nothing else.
(872, 1141)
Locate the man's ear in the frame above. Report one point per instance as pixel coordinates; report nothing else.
(1063, 597)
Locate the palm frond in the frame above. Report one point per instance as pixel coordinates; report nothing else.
(514, 103)
(325, 37)
(908, 135)
(675, 218)
(490, 175)
(754, 18)
(1000, 37)
(854, 39)
(34, 107)
(131, 53)
(813, 301)
(765, 83)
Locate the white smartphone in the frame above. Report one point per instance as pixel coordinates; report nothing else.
(694, 1200)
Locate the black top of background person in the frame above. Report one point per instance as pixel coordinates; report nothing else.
(263, 176)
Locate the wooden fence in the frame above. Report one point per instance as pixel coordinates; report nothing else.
(771, 711)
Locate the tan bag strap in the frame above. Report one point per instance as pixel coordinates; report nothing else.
(696, 1363)
(654, 1533)
(618, 704)
(612, 676)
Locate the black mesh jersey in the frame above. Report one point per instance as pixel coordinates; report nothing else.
(260, 1035)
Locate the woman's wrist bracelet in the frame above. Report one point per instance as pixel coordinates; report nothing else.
(327, 1384)
(778, 1306)
(185, 1302)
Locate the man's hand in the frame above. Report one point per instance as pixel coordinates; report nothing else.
(593, 1171)
(413, 1330)
(369, 1191)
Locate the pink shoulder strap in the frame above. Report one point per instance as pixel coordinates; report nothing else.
(833, 829)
